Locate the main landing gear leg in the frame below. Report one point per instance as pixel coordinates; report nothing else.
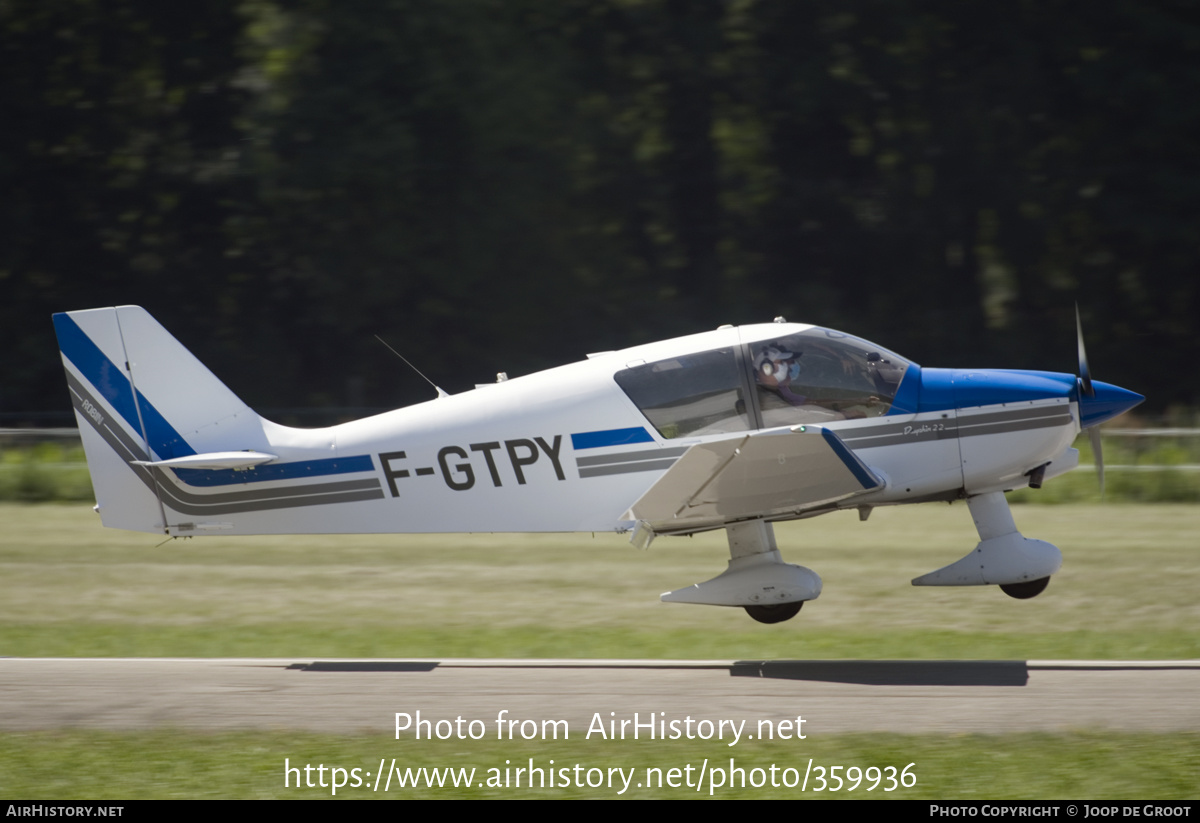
(757, 579)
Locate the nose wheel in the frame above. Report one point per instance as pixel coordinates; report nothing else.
(777, 613)
(1024, 591)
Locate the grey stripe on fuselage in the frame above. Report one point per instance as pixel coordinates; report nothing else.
(624, 462)
(626, 468)
(622, 457)
(946, 428)
(866, 437)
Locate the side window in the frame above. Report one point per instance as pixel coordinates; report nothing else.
(694, 394)
(819, 376)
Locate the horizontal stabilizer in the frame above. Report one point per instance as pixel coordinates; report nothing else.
(213, 460)
(759, 475)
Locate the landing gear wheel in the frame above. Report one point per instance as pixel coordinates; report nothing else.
(776, 614)
(1024, 591)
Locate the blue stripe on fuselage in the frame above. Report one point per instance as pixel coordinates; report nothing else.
(610, 437)
(277, 471)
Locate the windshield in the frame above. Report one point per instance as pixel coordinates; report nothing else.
(821, 375)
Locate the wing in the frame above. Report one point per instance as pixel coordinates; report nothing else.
(765, 474)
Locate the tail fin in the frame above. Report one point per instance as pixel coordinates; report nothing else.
(142, 399)
(172, 450)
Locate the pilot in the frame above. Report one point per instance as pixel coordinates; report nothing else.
(777, 371)
(775, 368)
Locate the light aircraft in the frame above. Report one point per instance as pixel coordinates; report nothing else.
(730, 429)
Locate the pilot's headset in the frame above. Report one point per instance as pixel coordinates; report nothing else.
(777, 363)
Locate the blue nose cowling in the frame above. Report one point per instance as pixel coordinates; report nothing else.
(1107, 401)
(942, 389)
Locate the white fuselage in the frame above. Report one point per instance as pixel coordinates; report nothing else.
(551, 452)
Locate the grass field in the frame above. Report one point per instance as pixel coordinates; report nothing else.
(71, 588)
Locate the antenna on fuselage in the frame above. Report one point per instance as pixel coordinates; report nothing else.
(440, 391)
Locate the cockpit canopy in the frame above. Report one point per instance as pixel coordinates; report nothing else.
(814, 376)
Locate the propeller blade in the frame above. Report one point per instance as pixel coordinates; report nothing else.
(1088, 390)
(1097, 455)
(1085, 373)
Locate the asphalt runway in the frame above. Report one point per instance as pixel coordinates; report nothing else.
(831, 696)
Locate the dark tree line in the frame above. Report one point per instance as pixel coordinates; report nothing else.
(507, 184)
